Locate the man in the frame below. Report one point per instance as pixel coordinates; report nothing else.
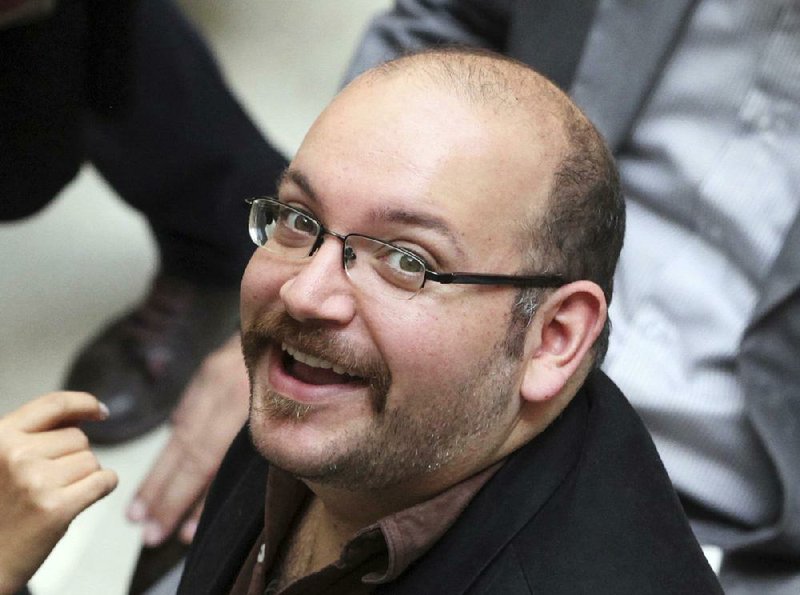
(430, 431)
(699, 100)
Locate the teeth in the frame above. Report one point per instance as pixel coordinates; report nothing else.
(310, 360)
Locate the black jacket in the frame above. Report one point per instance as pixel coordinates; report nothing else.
(586, 507)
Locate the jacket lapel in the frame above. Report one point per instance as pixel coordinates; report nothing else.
(549, 35)
(214, 562)
(623, 54)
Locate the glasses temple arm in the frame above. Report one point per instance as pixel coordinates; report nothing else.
(484, 279)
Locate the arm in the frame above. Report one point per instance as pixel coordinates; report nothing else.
(47, 476)
(416, 24)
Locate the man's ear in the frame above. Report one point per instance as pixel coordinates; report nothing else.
(559, 340)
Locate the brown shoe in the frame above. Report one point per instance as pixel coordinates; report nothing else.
(139, 364)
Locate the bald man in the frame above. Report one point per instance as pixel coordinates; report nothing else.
(422, 329)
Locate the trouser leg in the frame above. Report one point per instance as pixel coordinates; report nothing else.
(182, 151)
(42, 95)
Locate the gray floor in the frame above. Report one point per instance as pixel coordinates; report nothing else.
(88, 256)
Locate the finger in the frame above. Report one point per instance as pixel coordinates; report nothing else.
(57, 443)
(156, 481)
(189, 526)
(72, 468)
(176, 501)
(57, 409)
(83, 493)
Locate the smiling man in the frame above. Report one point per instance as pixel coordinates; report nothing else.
(422, 326)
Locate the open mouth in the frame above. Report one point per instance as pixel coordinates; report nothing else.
(314, 370)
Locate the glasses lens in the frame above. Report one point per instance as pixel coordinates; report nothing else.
(261, 215)
(378, 266)
(282, 229)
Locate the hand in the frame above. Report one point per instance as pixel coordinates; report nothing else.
(47, 476)
(212, 410)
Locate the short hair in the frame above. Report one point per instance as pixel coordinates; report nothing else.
(581, 230)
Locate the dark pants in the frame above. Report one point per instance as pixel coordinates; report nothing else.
(131, 87)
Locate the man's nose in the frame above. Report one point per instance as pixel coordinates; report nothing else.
(321, 289)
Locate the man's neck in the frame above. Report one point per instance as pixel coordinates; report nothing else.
(330, 520)
(333, 516)
(318, 538)
(346, 511)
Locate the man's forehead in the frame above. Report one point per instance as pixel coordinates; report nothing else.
(395, 134)
(419, 123)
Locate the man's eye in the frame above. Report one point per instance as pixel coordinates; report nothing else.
(299, 222)
(405, 262)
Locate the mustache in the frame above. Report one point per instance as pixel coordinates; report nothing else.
(278, 327)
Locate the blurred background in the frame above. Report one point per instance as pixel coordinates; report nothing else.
(62, 275)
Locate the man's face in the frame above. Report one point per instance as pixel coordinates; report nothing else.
(430, 389)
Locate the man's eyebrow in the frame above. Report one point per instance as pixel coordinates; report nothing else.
(425, 221)
(384, 214)
(300, 180)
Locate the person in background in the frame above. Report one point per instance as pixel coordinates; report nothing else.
(130, 86)
(48, 476)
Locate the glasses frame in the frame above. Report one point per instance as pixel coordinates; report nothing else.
(455, 278)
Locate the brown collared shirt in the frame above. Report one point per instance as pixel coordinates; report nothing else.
(375, 555)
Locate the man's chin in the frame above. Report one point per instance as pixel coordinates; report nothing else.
(293, 458)
(281, 432)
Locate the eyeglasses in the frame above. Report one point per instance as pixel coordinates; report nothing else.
(369, 262)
